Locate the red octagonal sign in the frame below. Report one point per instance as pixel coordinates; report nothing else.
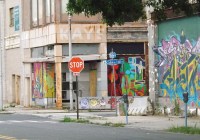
(76, 64)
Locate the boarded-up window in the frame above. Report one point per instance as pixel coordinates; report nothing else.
(11, 17)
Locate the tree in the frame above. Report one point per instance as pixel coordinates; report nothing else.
(185, 6)
(120, 11)
(113, 11)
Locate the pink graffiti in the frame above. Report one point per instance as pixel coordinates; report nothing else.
(174, 47)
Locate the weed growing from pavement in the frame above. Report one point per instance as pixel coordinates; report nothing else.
(94, 118)
(177, 109)
(185, 130)
(67, 120)
(114, 124)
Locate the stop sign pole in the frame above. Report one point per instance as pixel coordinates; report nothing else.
(76, 65)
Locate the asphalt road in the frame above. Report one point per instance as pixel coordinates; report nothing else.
(27, 127)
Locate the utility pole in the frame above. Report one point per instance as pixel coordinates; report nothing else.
(70, 56)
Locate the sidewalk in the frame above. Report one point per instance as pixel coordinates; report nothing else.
(139, 122)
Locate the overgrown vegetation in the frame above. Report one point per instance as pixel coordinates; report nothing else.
(67, 120)
(114, 124)
(185, 130)
(177, 109)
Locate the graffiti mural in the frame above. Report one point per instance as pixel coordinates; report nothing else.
(43, 81)
(48, 70)
(94, 103)
(100, 102)
(37, 81)
(136, 105)
(129, 77)
(179, 66)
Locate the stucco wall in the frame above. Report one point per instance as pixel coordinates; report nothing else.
(12, 55)
(12, 67)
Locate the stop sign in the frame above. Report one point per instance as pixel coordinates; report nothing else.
(76, 64)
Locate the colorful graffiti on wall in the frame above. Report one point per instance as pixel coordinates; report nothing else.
(129, 77)
(94, 103)
(43, 80)
(37, 81)
(179, 67)
(136, 105)
(100, 102)
(49, 89)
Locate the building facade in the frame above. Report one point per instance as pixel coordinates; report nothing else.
(36, 54)
(46, 38)
(10, 51)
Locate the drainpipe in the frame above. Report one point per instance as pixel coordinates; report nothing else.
(1, 51)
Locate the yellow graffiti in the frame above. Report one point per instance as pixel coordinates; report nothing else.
(94, 102)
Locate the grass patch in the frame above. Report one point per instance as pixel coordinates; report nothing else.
(114, 124)
(185, 130)
(67, 119)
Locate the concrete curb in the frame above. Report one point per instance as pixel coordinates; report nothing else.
(138, 122)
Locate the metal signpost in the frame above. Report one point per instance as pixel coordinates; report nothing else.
(185, 99)
(113, 62)
(125, 98)
(76, 65)
(70, 57)
(77, 93)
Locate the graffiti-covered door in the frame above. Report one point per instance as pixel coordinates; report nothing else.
(130, 77)
(93, 83)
